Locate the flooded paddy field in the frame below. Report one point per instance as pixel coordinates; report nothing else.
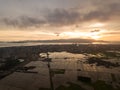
(65, 70)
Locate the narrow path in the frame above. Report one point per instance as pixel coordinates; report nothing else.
(50, 75)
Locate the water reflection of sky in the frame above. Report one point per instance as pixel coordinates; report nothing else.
(66, 67)
(74, 65)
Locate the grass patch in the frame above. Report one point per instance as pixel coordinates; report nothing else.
(101, 85)
(113, 77)
(84, 79)
(44, 89)
(71, 86)
(58, 71)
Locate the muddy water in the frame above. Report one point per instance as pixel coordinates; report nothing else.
(65, 67)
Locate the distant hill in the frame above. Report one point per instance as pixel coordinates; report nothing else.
(73, 40)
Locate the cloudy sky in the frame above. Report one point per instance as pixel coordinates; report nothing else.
(59, 19)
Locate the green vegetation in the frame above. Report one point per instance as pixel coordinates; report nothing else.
(100, 62)
(98, 85)
(58, 71)
(113, 77)
(9, 63)
(111, 54)
(84, 79)
(71, 86)
(101, 85)
(106, 54)
(44, 89)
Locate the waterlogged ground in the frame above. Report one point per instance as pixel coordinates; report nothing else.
(66, 71)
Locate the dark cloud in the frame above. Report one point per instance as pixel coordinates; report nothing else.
(31, 21)
(63, 17)
(96, 15)
(58, 17)
(23, 22)
(104, 11)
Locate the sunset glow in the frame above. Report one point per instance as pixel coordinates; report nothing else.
(97, 25)
(58, 19)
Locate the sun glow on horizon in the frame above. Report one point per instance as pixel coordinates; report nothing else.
(97, 25)
(92, 35)
(96, 37)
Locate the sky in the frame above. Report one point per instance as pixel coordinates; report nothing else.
(59, 19)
